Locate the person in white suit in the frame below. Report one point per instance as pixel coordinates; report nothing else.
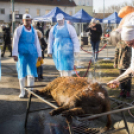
(26, 51)
(63, 45)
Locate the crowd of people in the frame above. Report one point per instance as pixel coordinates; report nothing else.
(29, 45)
(7, 39)
(62, 45)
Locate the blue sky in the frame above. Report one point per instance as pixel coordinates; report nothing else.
(99, 3)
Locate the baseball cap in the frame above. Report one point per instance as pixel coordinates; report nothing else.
(27, 17)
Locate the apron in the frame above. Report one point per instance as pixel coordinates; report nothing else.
(28, 55)
(63, 49)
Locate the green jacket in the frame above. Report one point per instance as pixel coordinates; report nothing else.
(122, 55)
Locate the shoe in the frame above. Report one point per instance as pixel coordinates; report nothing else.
(128, 95)
(122, 94)
(36, 79)
(41, 77)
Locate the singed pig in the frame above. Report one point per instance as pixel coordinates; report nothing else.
(77, 96)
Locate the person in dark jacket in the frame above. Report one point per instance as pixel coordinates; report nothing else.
(122, 61)
(7, 40)
(95, 32)
(47, 32)
(40, 28)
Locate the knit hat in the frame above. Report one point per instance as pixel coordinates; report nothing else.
(60, 16)
(127, 32)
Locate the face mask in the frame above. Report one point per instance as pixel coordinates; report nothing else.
(60, 22)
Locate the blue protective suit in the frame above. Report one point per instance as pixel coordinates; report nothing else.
(63, 49)
(28, 55)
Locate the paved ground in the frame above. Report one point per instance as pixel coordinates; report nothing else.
(12, 109)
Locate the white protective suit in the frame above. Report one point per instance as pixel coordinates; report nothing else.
(74, 39)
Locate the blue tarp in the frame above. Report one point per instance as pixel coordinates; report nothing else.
(83, 16)
(52, 16)
(112, 19)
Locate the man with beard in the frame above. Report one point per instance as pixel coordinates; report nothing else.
(26, 51)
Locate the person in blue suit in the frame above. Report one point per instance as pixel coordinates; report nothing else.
(63, 45)
(26, 51)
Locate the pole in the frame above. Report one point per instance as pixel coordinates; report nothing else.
(13, 16)
(103, 16)
(103, 9)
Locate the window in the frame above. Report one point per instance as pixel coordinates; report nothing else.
(27, 10)
(80, 2)
(47, 11)
(16, 12)
(84, 2)
(2, 11)
(71, 13)
(38, 12)
(88, 3)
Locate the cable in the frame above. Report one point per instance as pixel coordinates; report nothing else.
(95, 52)
(86, 71)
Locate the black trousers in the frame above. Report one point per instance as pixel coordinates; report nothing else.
(4, 48)
(40, 71)
(126, 86)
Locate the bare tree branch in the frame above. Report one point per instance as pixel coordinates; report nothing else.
(116, 8)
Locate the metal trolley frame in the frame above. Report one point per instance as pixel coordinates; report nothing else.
(118, 109)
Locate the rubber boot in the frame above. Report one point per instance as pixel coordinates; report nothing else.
(68, 73)
(22, 90)
(30, 82)
(61, 73)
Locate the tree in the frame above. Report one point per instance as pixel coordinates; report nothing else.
(116, 8)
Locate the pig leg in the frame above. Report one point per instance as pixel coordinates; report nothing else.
(59, 110)
(74, 111)
(69, 105)
(47, 90)
(44, 91)
(109, 121)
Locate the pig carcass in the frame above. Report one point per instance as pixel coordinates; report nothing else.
(77, 96)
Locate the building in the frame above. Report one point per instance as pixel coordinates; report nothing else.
(34, 7)
(87, 5)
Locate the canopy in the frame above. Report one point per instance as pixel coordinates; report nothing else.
(53, 13)
(83, 16)
(112, 19)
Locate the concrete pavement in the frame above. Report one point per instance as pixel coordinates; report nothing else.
(12, 109)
